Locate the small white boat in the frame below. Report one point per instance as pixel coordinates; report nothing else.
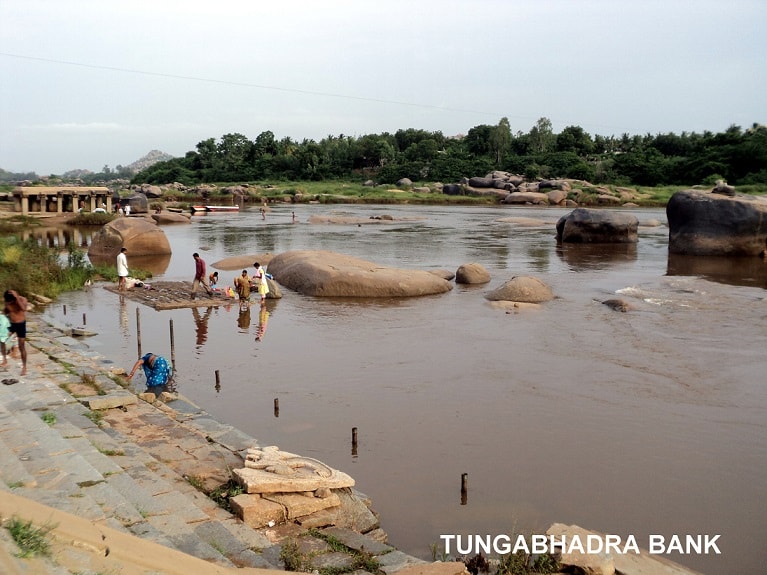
(215, 209)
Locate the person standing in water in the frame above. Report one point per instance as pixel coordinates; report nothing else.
(260, 280)
(122, 269)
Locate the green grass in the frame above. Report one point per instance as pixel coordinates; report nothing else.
(110, 452)
(49, 417)
(95, 416)
(32, 541)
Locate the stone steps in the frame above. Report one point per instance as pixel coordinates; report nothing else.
(74, 465)
(137, 467)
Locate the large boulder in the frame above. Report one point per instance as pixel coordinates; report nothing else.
(138, 203)
(330, 274)
(526, 289)
(715, 224)
(535, 198)
(141, 236)
(472, 273)
(453, 189)
(171, 218)
(597, 226)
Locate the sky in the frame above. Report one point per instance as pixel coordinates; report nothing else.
(91, 83)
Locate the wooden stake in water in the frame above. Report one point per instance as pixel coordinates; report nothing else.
(172, 347)
(138, 330)
(218, 381)
(354, 441)
(65, 309)
(276, 407)
(85, 322)
(464, 488)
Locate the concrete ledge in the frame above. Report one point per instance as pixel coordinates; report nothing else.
(107, 550)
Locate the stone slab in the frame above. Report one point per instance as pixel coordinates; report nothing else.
(437, 568)
(256, 511)
(357, 541)
(607, 564)
(298, 505)
(109, 401)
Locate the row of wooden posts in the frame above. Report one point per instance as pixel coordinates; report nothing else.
(464, 476)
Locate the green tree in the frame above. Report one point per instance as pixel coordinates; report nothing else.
(500, 140)
(542, 137)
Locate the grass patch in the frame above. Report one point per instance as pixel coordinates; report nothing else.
(15, 484)
(92, 219)
(89, 380)
(223, 494)
(32, 541)
(49, 417)
(109, 452)
(196, 482)
(95, 416)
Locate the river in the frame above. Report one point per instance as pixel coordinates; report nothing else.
(647, 422)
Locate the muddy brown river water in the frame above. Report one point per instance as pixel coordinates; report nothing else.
(647, 422)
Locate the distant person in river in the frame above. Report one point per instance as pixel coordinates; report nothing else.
(213, 280)
(156, 369)
(199, 276)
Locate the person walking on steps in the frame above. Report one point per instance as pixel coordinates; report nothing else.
(16, 310)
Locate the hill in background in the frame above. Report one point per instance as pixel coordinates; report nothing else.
(142, 163)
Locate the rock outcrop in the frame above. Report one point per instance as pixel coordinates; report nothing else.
(526, 289)
(597, 226)
(330, 274)
(139, 235)
(717, 224)
(472, 273)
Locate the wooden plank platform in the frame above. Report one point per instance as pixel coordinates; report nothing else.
(171, 295)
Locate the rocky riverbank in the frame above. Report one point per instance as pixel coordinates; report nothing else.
(124, 482)
(134, 483)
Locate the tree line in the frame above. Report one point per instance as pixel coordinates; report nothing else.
(738, 156)
(735, 155)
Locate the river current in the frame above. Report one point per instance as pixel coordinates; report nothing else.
(650, 422)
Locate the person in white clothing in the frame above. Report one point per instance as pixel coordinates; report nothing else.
(122, 269)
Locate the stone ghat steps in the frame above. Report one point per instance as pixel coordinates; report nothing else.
(73, 439)
(76, 466)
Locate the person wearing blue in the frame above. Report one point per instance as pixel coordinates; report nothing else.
(156, 369)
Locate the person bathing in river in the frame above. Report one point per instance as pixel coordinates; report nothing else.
(259, 278)
(242, 285)
(156, 369)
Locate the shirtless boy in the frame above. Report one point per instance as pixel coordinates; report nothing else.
(16, 310)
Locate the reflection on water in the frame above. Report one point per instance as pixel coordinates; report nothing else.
(201, 325)
(658, 403)
(263, 319)
(737, 271)
(243, 318)
(61, 237)
(581, 257)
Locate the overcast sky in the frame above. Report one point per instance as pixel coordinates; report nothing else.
(89, 83)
